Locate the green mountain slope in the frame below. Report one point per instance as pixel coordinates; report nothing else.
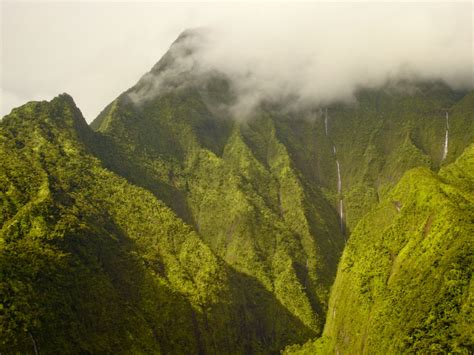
(404, 280)
(175, 225)
(392, 130)
(262, 193)
(236, 184)
(92, 263)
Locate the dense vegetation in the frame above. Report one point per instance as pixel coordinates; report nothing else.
(404, 281)
(172, 227)
(92, 263)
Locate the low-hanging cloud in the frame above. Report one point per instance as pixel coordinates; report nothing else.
(315, 53)
(321, 53)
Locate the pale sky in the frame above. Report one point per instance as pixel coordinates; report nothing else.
(95, 50)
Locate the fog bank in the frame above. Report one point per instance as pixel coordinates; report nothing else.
(315, 52)
(321, 53)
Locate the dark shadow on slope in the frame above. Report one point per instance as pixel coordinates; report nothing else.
(263, 318)
(118, 161)
(102, 297)
(87, 292)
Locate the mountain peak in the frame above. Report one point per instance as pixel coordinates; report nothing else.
(184, 46)
(61, 113)
(192, 33)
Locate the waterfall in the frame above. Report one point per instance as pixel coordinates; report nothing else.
(339, 183)
(341, 214)
(339, 180)
(445, 150)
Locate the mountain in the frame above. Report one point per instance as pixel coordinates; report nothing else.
(404, 280)
(173, 225)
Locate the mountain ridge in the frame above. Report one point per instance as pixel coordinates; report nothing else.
(73, 232)
(419, 241)
(206, 234)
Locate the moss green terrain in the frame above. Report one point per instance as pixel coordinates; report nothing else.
(92, 263)
(172, 225)
(404, 280)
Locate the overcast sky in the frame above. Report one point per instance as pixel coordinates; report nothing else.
(96, 50)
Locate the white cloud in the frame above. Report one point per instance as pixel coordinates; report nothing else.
(317, 51)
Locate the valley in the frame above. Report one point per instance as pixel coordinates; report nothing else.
(170, 224)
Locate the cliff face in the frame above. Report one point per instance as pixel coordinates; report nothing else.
(174, 225)
(404, 280)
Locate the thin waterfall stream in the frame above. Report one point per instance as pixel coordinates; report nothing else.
(339, 180)
(339, 184)
(339, 191)
(446, 138)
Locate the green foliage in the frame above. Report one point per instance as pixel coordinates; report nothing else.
(92, 263)
(172, 228)
(404, 281)
(257, 213)
(263, 194)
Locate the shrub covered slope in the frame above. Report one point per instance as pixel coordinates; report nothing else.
(404, 280)
(91, 263)
(174, 225)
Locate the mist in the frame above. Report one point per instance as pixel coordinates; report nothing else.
(322, 53)
(317, 53)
